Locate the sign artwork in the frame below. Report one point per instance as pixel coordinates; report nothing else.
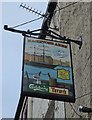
(47, 71)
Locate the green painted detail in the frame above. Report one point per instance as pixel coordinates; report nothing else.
(38, 87)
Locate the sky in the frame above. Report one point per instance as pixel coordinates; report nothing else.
(12, 49)
(0, 62)
(56, 52)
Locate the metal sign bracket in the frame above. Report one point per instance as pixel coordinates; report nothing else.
(49, 33)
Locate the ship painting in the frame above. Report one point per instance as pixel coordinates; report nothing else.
(39, 58)
(40, 55)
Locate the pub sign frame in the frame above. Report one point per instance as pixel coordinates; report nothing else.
(47, 70)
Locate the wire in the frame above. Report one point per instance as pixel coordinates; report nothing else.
(67, 6)
(59, 10)
(26, 22)
(43, 16)
(74, 110)
(58, 7)
(77, 104)
(84, 95)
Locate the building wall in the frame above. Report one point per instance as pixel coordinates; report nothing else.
(75, 21)
(90, 115)
(37, 107)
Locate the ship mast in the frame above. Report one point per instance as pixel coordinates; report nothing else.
(34, 52)
(43, 53)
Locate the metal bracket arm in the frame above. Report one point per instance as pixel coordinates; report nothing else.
(49, 33)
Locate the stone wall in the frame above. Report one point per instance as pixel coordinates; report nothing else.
(75, 21)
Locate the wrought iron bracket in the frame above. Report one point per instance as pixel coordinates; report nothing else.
(48, 33)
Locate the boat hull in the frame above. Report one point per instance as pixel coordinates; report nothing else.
(38, 64)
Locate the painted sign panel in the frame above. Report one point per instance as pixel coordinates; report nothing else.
(47, 71)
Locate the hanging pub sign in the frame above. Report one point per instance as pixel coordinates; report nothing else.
(47, 70)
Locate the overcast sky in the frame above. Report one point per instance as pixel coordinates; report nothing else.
(12, 52)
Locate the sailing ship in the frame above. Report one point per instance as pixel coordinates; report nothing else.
(40, 59)
(39, 64)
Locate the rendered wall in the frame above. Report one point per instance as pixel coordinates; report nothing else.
(72, 22)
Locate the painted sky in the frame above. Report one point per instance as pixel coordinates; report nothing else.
(12, 51)
(56, 52)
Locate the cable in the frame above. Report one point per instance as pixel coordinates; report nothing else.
(84, 95)
(59, 9)
(58, 6)
(26, 22)
(74, 110)
(77, 104)
(67, 6)
(42, 16)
